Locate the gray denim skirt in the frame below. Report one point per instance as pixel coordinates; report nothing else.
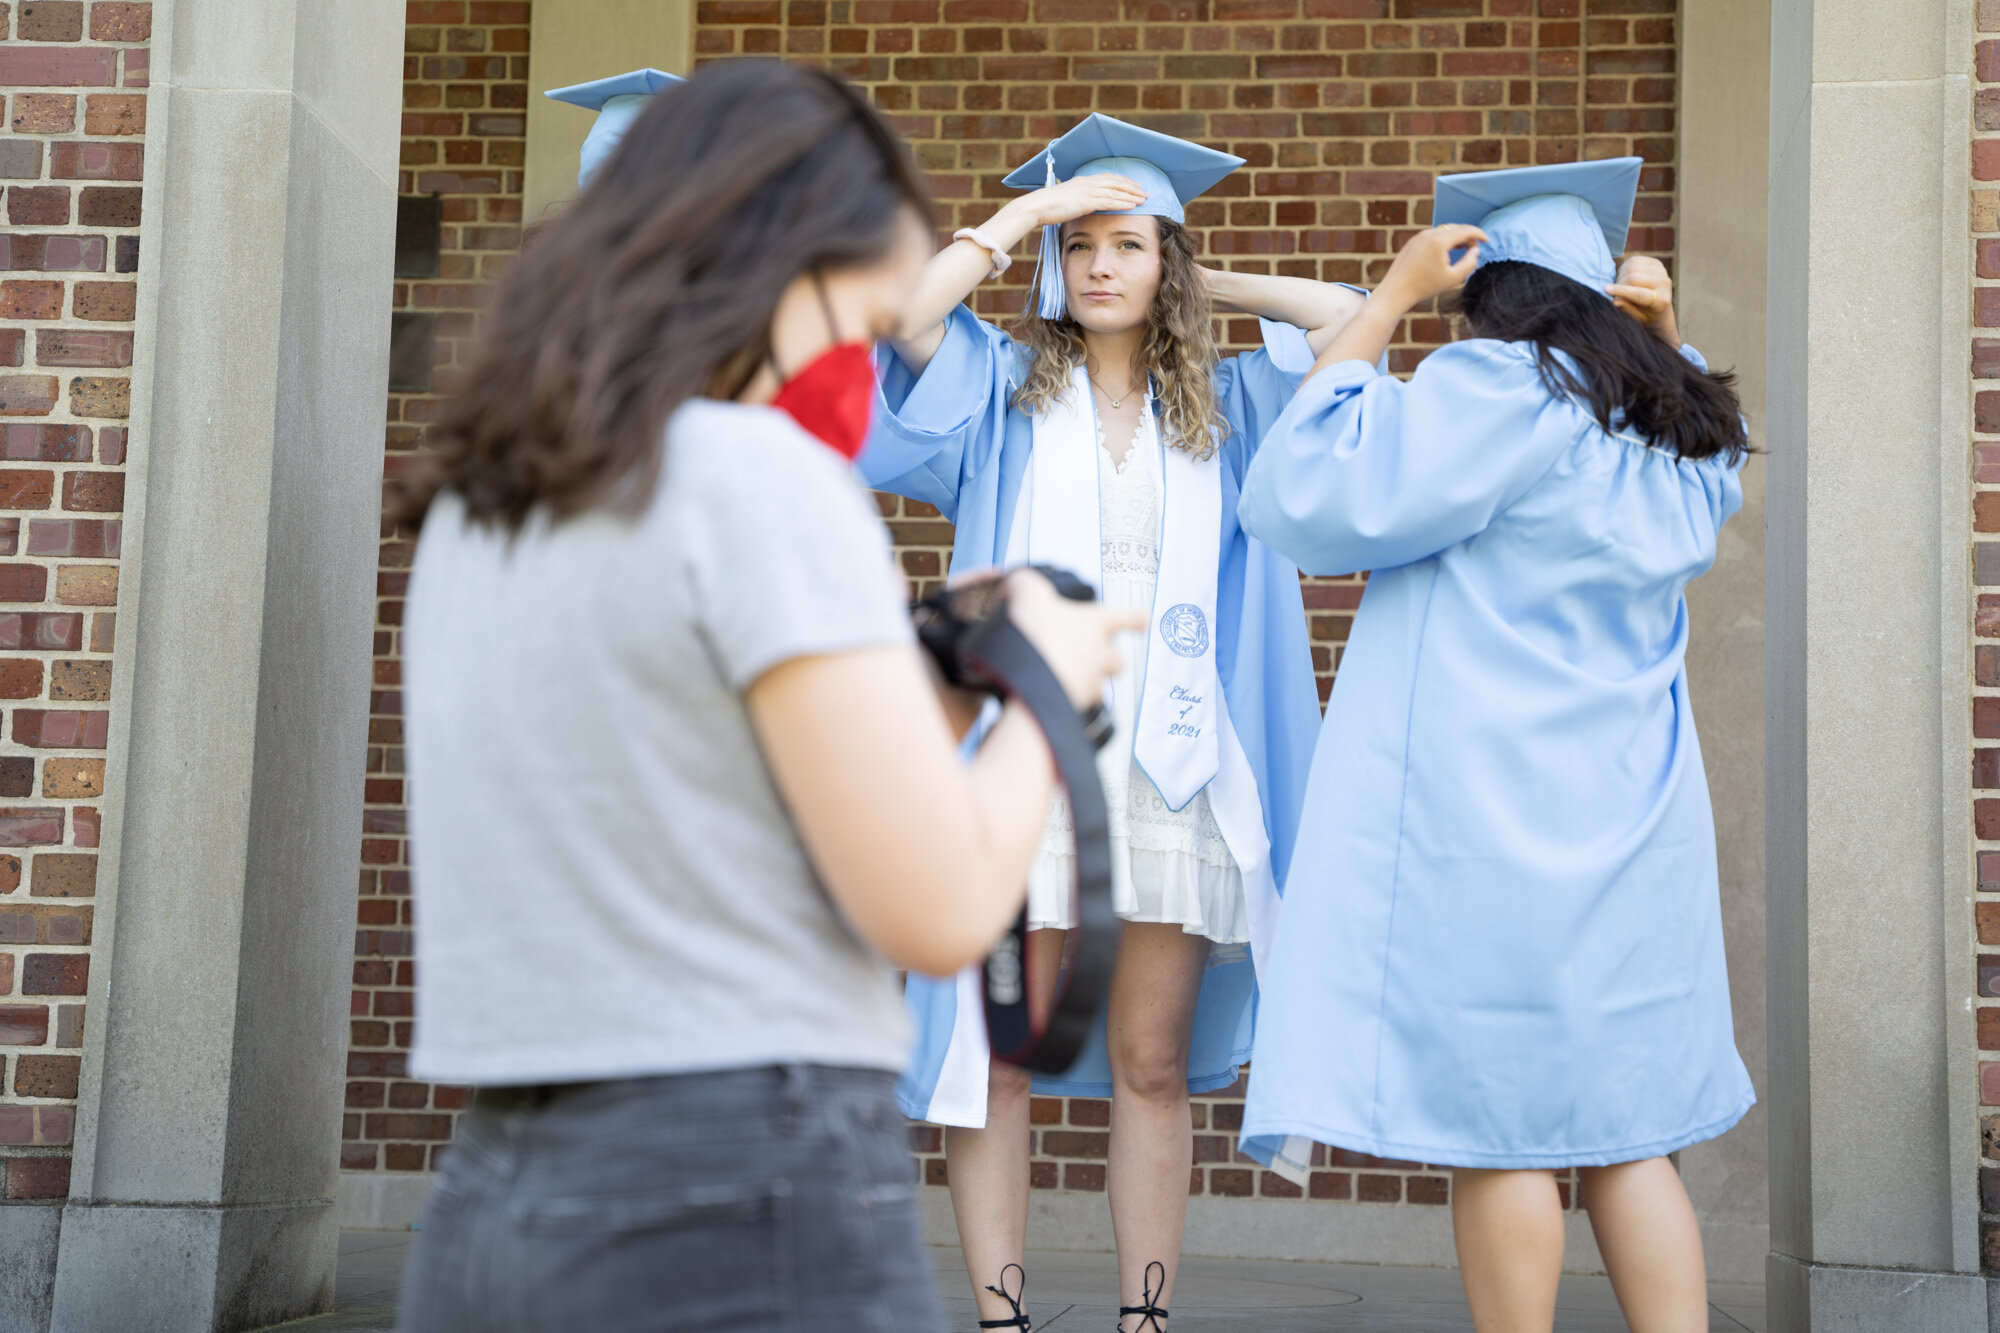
(747, 1199)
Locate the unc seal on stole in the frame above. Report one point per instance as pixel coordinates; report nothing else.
(1185, 629)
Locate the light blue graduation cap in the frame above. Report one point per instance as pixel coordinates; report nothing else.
(1173, 171)
(617, 101)
(1570, 216)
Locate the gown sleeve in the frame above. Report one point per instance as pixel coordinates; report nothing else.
(1366, 471)
(935, 430)
(1252, 388)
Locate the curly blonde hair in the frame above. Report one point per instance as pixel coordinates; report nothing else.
(1178, 354)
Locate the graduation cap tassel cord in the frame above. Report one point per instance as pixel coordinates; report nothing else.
(1051, 300)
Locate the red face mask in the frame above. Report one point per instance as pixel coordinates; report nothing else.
(833, 396)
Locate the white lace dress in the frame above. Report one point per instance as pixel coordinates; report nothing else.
(1166, 865)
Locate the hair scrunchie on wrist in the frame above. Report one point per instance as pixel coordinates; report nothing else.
(1001, 259)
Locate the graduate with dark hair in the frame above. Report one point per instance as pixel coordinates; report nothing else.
(1500, 947)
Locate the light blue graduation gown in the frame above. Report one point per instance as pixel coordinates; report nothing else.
(953, 438)
(1501, 938)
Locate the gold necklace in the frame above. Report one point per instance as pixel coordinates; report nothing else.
(1116, 403)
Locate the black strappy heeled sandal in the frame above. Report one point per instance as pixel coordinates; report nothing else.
(1152, 1310)
(1020, 1319)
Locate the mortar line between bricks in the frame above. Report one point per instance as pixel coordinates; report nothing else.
(1583, 76)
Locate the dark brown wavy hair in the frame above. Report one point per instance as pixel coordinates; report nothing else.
(659, 284)
(1609, 362)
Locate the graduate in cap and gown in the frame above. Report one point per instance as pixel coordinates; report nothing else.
(617, 100)
(1501, 947)
(1101, 432)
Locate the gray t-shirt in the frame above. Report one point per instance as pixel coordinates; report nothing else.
(607, 884)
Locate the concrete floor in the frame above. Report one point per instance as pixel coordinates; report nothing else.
(1074, 1292)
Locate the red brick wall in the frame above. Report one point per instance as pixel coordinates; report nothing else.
(1344, 111)
(73, 76)
(465, 94)
(1985, 527)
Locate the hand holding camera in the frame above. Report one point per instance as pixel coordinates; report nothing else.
(1037, 638)
(1053, 609)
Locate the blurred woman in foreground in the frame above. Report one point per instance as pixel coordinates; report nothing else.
(689, 794)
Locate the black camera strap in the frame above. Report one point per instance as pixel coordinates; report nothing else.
(1004, 656)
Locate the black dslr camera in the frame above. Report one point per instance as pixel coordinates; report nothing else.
(951, 617)
(976, 647)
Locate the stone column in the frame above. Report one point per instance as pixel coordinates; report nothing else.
(1723, 178)
(202, 1193)
(1873, 1209)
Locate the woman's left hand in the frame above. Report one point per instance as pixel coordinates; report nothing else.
(1646, 293)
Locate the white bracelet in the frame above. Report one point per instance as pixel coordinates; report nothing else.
(1001, 259)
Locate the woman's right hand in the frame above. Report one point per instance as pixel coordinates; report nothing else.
(1425, 268)
(1080, 196)
(1074, 638)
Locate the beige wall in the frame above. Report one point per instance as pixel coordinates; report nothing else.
(1875, 1210)
(1723, 177)
(571, 41)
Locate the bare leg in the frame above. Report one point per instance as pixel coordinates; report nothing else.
(1509, 1229)
(1651, 1243)
(988, 1168)
(1150, 1024)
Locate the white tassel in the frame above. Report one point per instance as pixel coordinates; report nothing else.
(1051, 300)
